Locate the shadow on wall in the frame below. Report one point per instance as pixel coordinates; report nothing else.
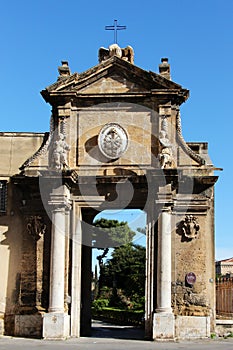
(25, 265)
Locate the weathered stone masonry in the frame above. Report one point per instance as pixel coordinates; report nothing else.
(115, 141)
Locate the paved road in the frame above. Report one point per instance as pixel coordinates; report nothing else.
(111, 344)
(108, 337)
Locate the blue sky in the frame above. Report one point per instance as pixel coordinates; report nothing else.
(196, 36)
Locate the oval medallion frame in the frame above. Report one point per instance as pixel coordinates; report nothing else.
(113, 141)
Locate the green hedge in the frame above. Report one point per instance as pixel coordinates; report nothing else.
(119, 317)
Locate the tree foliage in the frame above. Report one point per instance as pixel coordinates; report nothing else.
(111, 233)
(126, 271)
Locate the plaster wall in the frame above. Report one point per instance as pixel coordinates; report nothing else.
(15, 148)
(10, 260)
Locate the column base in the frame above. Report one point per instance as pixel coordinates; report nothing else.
(56, 326)
(163, 326)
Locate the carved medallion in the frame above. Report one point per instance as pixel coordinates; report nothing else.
(112, 141)
(190, 227)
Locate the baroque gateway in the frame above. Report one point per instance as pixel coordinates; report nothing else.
(115, 142)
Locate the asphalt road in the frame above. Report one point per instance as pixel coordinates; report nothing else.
(112, 344)
(108, 337)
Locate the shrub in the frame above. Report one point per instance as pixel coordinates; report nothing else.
(119, 317)
(100, 304)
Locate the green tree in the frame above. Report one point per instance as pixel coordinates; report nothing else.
(111, 233)
(126, 271)
(108, 234)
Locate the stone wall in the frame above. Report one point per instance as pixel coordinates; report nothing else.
(1, 324)
(15, 148)
(191, 327)
(194, 255)
(138, 127)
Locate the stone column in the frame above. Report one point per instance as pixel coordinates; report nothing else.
(57, 264)
(67, 261)
(163, 327)
(56, 321)
(164, 262)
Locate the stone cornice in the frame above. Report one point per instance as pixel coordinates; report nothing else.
(151, 82)
(191, 204)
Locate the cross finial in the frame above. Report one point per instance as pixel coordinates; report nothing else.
(115, 27)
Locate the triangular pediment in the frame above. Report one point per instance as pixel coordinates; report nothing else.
(112, 76)
(114, 83)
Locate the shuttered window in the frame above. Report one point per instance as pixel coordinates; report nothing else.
(3, 197)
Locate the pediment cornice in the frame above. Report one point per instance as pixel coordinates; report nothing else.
(113, 67)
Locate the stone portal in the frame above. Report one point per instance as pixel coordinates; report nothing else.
(115, 141)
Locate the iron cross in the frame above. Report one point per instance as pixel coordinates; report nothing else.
(115, 27)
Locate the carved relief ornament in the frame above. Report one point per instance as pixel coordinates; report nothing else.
(35, 226)
(112, 141)
(190, 227)
(165, 156)
(59, 153)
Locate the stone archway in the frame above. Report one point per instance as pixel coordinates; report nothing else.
(116, 142)
(158, 262)
(103, 246)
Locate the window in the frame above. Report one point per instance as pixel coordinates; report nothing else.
(3, 197)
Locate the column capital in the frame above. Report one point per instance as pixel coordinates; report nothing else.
(164, 196)
(60, 207)
(166, 209)
(60, 199)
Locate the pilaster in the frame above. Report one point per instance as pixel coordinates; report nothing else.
(76, 270)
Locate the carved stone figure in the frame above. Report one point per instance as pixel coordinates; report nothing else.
(165, 158)
(35, 226)
(115, 50)
(127, 53)
(190, 227)
(163, 139)
(59, 155)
